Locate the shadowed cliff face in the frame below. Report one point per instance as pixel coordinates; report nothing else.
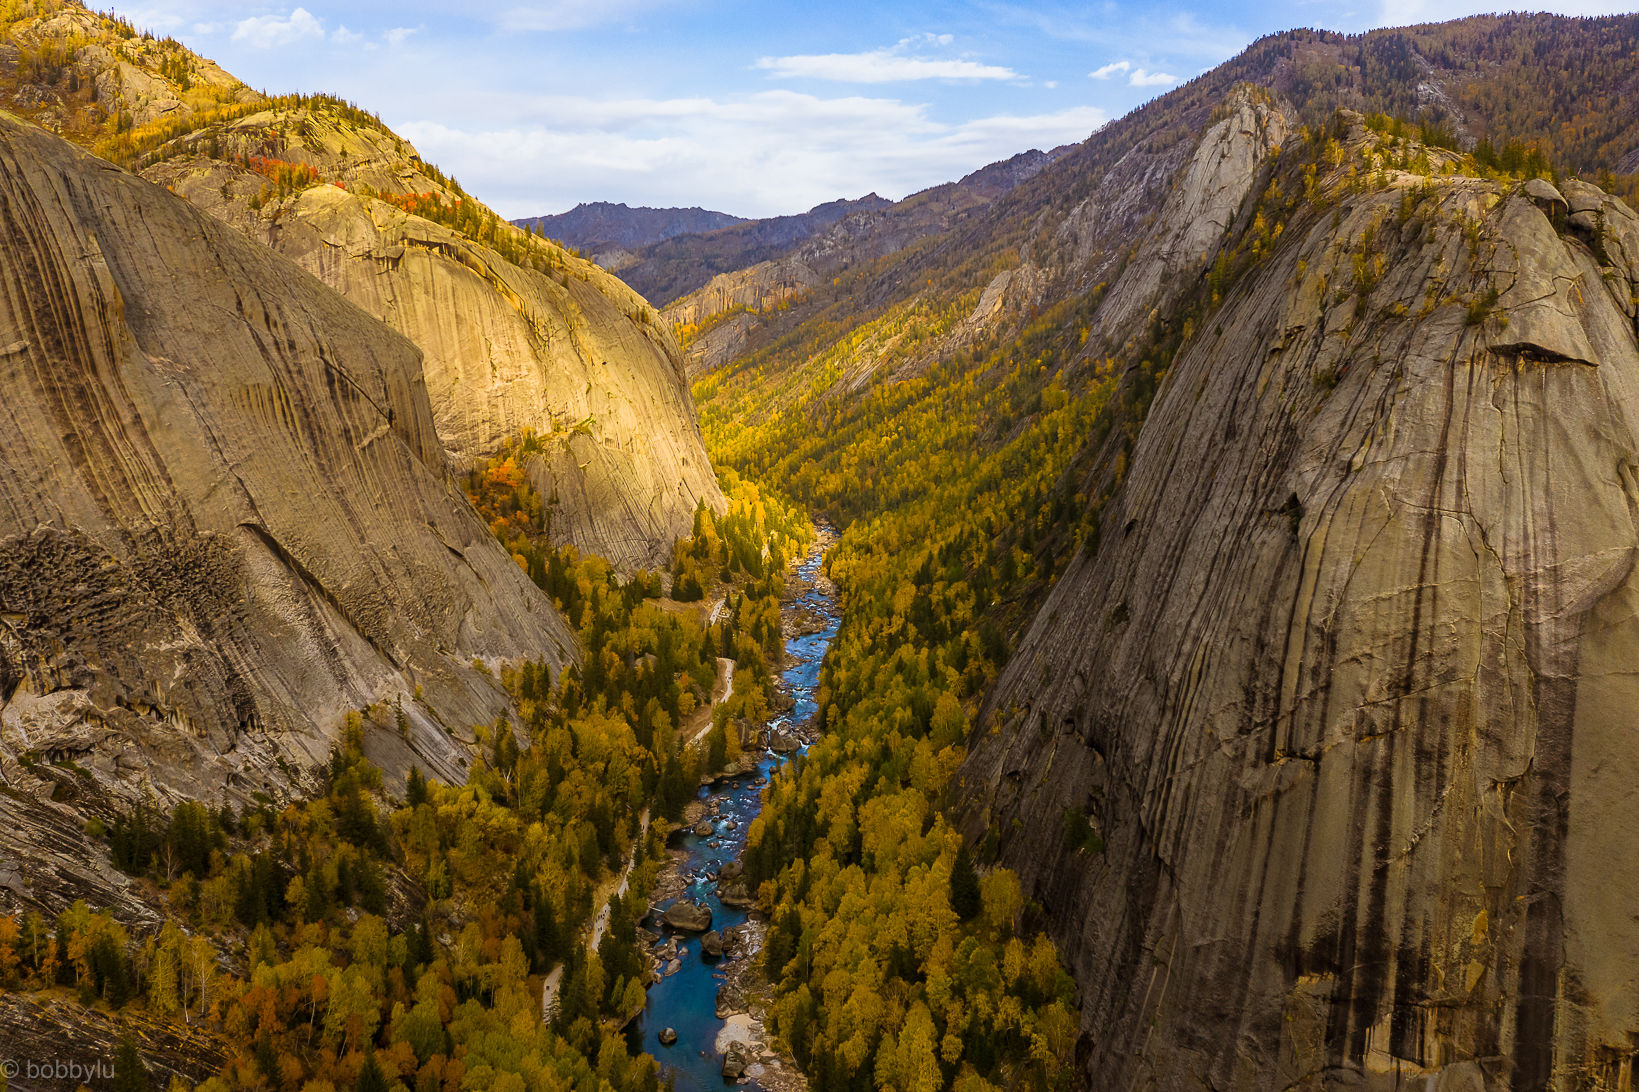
(225, 518)
(1346, 689)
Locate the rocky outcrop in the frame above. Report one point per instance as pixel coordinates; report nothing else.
(1344, 689)
(718, 343)
(1209, 194)
(80, 71)
(225, 516)
(518, 336)
(687, 917)
(761, 287)
(567, 353)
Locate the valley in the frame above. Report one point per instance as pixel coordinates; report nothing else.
(1151, 614)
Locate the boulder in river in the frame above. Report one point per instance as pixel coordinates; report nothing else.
(688, 917)
(734, 1062)
(736, 894)
(668, 1036)
(702, 829)
(711, 945)
(784, 741)
(729, 1001)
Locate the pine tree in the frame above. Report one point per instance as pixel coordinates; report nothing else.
(964, 886)
(371, 1079)
(415, 790)
(130, 1075)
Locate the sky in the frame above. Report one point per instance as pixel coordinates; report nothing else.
(752, 108)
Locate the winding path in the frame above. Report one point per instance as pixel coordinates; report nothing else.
(721, 692)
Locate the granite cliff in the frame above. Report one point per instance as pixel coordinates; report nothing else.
(533, 340)
(1311, 753)
(518, 336)
(1340, 691)
(226, 520)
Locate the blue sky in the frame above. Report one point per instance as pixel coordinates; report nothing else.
(751, 108)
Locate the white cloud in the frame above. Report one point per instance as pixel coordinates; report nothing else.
(1136, 77)
(891, 65)
(881, 66)
(267, 31)
(343, 37)
(398, 35)
(762, 154)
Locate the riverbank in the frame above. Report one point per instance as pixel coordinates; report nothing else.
(710, 991)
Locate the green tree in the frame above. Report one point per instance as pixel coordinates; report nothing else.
(130, 1075)
(965, 896)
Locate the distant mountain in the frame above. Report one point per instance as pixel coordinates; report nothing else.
(599, 226)
(864, 235)
(677, 266)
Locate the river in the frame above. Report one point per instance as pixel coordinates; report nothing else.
(686, 1000)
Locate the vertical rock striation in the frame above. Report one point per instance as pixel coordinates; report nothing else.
(225, 515)
(571, 355)
(1347, 687)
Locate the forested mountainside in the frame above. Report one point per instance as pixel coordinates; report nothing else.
(601, 229)
(1522, 93)
(318, 761)
(518, 336)
(1243, 416)
(716, 322)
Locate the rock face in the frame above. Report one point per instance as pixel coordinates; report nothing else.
(1211, 190)
(761, 287)
(1346, 688)
(225, 516)
(518, 336)
(569, 354)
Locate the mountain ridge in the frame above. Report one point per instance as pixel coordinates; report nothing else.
(528, 339)
(601, 226)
